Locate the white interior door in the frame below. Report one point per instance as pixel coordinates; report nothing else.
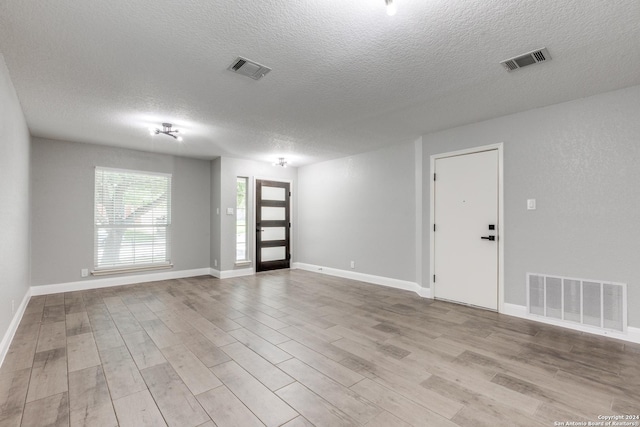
(466, 228)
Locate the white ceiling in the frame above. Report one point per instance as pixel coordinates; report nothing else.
(346, 77)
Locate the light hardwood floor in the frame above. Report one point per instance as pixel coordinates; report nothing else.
(296, 348)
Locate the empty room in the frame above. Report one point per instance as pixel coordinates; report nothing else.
(318, 213)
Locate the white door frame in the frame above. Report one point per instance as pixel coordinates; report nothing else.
(434, 157)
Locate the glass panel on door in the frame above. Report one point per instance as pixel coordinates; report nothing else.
(273, 233)
(273, 254)
(273, 193)
(273, 214)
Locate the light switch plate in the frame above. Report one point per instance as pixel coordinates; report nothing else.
(531, 204)
(229, 211)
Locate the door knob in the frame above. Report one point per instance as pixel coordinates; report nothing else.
(492, 238)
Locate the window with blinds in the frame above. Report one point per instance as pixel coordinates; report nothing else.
(132, 220)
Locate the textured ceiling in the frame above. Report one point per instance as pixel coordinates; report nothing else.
(346, 77)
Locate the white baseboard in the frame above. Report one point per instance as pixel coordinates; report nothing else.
(228, 274)
(369, 278)
(13, 326)
(116, 281)
(632, 334)
(215, 273)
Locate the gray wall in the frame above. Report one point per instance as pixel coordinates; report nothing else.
(216, 174)
(580, 160)
(360, 208)
(230, 169)
(62, 203)
(14, 205)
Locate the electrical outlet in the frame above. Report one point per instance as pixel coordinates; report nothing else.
(353, 264)
(84, 272)
(215, 262)
(217, 211)
(13, 306)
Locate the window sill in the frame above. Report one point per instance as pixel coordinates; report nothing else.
(243, 263)
(136, 269)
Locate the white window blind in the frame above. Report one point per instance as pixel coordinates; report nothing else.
(132, 220)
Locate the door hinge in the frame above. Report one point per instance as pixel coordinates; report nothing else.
(289, 225)
(288, 256)
(434, 176)
(289, 193)
(434, 278)
(434, 227)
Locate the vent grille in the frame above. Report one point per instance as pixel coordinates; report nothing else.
(248, 68)
(529, 58)
(591, 303)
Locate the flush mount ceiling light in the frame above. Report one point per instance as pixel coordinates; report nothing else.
(166, 130)
(391, 7)
(281, 162)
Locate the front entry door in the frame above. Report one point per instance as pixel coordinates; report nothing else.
(466, 228)
(273, 226)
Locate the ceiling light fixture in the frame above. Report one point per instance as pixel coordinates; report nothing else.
(166, 129)
(281, 162)
(391, 7)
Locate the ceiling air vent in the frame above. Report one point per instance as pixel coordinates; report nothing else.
(530, 58)
(248, 68)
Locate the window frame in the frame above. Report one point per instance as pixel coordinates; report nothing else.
(134, 267)
(246, 260)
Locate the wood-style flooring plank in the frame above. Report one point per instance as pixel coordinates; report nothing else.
(333, 370)
(89, 399)
(197, 377)
(53, 313)
(22, 349)
(138, 410)
(143, 349)
(121, 373)
(259, 399)
(385, 419)
(209, 354)
(177, 404)
(398, 405)
(226, 410)
(13, 392)
(78, 323)
(82, 352)
(265, 372)
(51, 411)
(262, 330)
(49, 374)
(261, 346)
(299, 421)
(491, 408)
(311, 406)
(52, 335)
(346, 400)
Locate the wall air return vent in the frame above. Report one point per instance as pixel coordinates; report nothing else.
(530, 58)
(248, 68)
(591, 303)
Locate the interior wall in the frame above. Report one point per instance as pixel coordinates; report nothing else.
(216, 250)
(230, 169)
(361, 208)
(579, 160)
(63, 197)
(14, 208)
